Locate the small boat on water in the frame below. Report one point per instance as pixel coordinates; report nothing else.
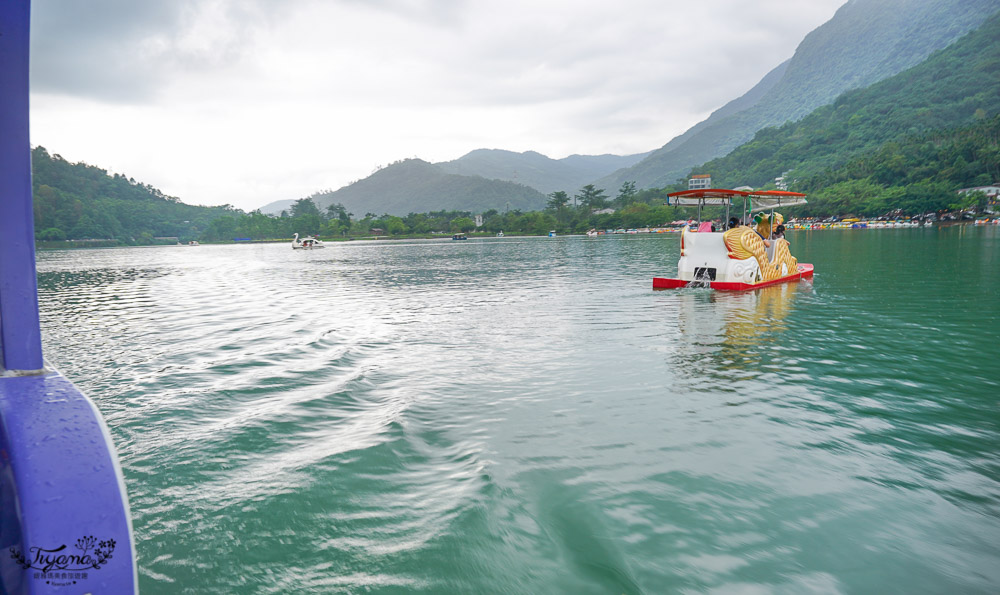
(459, 236)
(500, 234)
(552, 233)
(592, 233)
(306, 243)
(741, 257)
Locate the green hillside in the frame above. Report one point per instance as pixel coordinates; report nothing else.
(415, 186)
(952, 96)
(76, 201)
(914, 175)
(865, 42)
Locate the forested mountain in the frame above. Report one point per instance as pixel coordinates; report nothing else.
(429, 190)
(935, 124)
(536, 170)
(77, 201)
(415, 186)
(865, 42)
(914, 175)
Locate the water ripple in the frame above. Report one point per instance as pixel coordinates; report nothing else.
(525, 415)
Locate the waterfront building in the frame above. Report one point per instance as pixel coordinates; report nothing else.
(699, 181)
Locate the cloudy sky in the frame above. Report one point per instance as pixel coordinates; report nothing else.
(250, 101)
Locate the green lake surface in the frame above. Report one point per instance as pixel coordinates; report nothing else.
(526, 415)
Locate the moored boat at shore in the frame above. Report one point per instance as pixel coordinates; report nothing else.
(741, 257)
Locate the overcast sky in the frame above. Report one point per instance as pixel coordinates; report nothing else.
(250, 101)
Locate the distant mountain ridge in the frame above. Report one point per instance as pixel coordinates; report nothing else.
(416, 186)
(533, 169)
(866, 41)
(479, 180)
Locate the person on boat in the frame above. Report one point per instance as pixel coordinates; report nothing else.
(768, 226)
(734, 222)
(763, 229)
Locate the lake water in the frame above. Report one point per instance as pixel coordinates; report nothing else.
(525, 415)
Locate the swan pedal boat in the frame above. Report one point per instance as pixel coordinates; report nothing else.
(306, 243)
(737, 259)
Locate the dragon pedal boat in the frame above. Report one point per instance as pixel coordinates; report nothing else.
(739, 258)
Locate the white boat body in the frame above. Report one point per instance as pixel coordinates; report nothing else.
(306, 243)
(706, 250)
(706, 260)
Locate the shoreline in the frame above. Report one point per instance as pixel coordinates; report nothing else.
(791, 226)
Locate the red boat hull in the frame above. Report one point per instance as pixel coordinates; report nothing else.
(804, 271)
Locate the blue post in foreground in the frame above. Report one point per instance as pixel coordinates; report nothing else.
(20, 337)
(64, 519)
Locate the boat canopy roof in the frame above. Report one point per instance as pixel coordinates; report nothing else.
(703, 196)
(765, 200)
(760, 200)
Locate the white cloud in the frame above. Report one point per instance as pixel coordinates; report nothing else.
(245, 102)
